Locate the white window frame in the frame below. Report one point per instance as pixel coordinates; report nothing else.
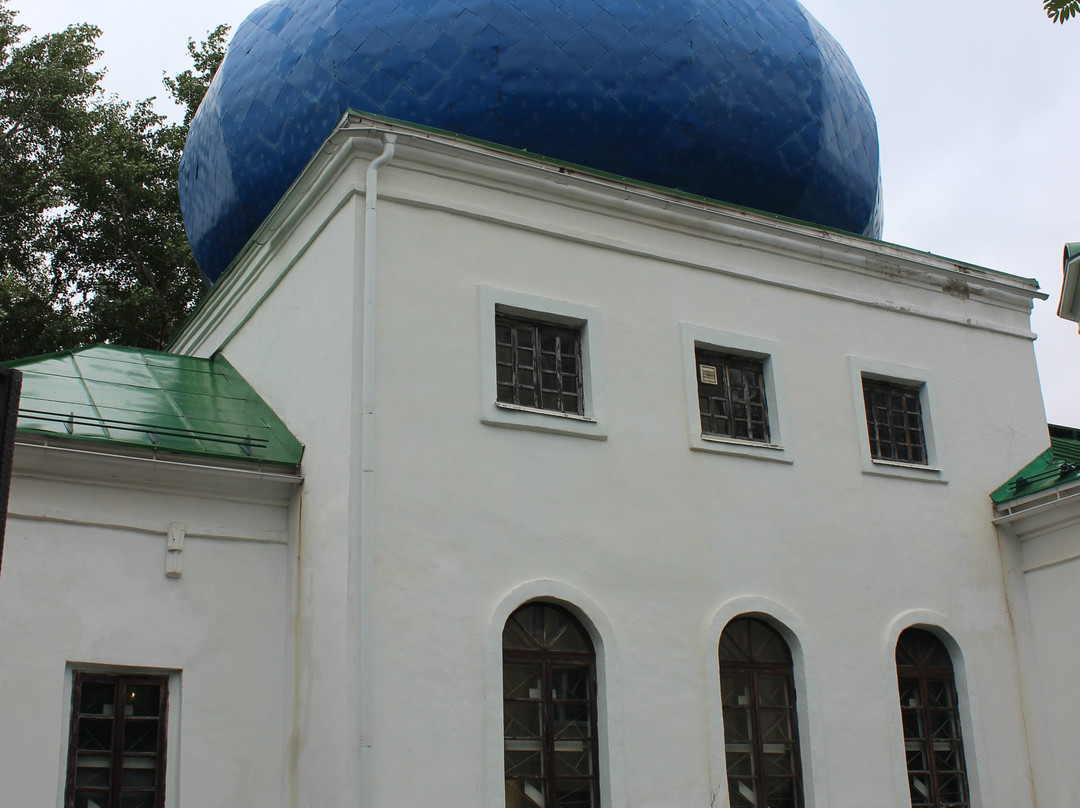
(771, 356)
(586, 319)
(932, 471)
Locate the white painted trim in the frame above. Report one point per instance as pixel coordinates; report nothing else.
(593, 618)
(561, 312)
(1059, 497)
(771, 355)
(151, 527)
(104, 466)
(925, 380)
(808, 710)
(913, 276)
(441, 155)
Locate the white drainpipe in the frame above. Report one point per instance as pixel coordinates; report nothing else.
(362, 530)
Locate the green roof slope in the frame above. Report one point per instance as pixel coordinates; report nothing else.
(151, 400)
(1056, 466)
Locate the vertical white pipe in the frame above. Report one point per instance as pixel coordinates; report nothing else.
(361, 523)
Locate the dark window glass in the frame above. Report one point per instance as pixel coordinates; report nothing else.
(549, 710)
(116, 752)
(931, 719)
(538, 365)
(731, 396)
(894, 421)
(761, 735)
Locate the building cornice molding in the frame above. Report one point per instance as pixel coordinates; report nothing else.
(64, 461)
(253, 276)
(1045, 525)
(641, 205)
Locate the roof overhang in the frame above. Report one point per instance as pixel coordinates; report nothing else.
(86, 462)
(1069, 307)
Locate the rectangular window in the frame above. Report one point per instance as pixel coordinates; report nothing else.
(894, 422)
(894, 418)
(538, 365)
(735, 394)
(731, 396)
(116, 748)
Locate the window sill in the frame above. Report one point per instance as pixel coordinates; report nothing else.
(718, 444)
(908, 471)
(514, 416)
(519, 408)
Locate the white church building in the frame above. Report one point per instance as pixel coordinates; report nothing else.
(485, 479)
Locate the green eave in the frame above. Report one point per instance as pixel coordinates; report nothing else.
(1069, 307)
(1056, 466)
(154, 401)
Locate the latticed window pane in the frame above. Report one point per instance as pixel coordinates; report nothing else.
(538, 365)
(116, 756)
(757, 688)
(549, 710)
(731, 396)
(894, 421)
(931, 722)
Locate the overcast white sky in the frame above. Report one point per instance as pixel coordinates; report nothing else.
(978, 111)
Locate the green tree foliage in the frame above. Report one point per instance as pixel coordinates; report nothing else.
(188, 88)
(1061, 10)
(92, 243)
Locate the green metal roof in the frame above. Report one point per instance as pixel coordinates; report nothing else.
(151, 400)
(1056, 466)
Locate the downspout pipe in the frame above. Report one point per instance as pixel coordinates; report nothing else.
(361, 562)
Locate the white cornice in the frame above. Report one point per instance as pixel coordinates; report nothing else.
(1046, 524)
(1045, 510)
(53, 460)
(251, 277)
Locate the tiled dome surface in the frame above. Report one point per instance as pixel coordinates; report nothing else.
(746, 101)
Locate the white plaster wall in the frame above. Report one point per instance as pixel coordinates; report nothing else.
(298, 350)
(77, 589)
(660, 537)
(656, 545)
(1054, 601)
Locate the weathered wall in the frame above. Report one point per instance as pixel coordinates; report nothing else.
(656, 545)
(1042, 552)
(84, 585)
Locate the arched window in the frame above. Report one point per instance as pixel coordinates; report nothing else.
(935, 750)
(761, 735)
(549, 710)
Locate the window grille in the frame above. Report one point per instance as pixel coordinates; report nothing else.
(549, 710)
(116, 749)
(931, 718)
(731, 396)
(894, 421)
(761, 737)
(538, 365)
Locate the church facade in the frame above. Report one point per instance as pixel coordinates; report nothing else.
(335, 635)
(481, 477)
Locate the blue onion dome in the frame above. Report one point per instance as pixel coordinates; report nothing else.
(749, 102)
